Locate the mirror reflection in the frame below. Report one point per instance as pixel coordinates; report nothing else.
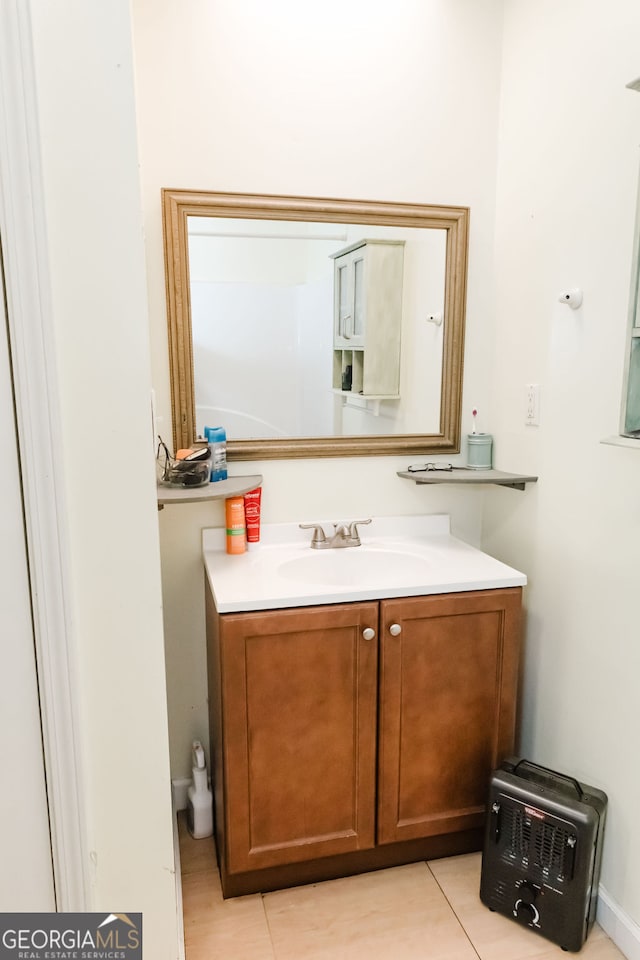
(312, 327)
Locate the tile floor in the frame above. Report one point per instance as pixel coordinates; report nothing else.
(422, 911)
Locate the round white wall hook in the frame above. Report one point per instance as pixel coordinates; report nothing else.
(573, 297)
(435, 318)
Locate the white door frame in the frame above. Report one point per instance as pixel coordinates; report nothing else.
(26, 876)
(23, 233)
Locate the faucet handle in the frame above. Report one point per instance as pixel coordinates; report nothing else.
(318, 532)
(353, 529)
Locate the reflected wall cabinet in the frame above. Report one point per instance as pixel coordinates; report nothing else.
(368, 318)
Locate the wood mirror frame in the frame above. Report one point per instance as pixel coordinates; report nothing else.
(178, 205)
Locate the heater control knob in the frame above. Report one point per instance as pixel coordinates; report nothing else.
(525, 912)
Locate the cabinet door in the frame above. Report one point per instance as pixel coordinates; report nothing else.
(350, 298)
(299, 718)
(343, 300)
(359, 294)
(448, 680)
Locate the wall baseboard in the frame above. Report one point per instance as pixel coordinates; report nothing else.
(618, 925)
(179, 792)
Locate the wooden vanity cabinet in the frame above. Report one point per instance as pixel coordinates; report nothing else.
(358, 735)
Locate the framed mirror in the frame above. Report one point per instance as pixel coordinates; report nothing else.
(217, 316)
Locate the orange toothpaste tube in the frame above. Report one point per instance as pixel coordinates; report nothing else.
(252, 514)
(235, 522)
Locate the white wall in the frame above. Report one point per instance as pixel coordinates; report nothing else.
(350, 100)
(314, 399)
(94, 247)
(567, 187)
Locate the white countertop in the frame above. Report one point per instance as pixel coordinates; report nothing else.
(399, 557)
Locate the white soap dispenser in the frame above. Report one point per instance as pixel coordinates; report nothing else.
(199, 798)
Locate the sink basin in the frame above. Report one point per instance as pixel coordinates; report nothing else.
(353, 566)
(399, 557)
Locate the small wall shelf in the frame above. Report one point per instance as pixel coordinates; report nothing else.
(464, 475)
(220, 490)
(370, 403)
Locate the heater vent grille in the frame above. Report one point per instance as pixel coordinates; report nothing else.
(544, 845)
(518, 831)
(551, 843)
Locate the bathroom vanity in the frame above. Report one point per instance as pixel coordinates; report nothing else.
(359, 699)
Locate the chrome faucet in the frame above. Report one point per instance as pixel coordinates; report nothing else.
(344, 535)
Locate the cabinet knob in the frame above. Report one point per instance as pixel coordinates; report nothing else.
(395, 629)
(368, 633)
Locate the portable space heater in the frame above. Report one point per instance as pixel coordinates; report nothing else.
(542, 851)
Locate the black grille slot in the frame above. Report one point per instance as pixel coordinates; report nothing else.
(554, 848)
(549, 844)
(517, 832)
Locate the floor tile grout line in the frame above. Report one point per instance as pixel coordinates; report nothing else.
(266, 917)
(452, 908)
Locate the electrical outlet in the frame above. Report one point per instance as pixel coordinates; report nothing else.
(532, 414)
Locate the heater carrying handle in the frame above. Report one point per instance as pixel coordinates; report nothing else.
(554, 773)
